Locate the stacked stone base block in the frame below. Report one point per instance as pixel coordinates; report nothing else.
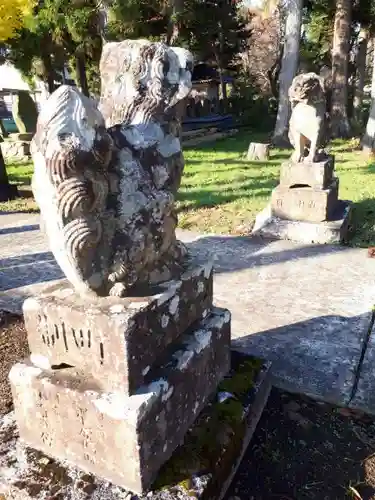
(327, 232)
(317, 175)
(305, 203)
(115, 341)
(305, 206)
(124, 439)
(113, 385)
(195, 470)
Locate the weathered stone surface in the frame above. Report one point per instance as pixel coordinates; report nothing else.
(318, 175)
(305, 203)
(327, 232)
(16, 150)
(195, 470)
(307, 121)
(115, 340)
(107, 194)
(124, 439)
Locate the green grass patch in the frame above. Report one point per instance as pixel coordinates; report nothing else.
(222, 192)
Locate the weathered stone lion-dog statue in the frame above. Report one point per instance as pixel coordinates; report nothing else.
(105, 178)
(307, 126)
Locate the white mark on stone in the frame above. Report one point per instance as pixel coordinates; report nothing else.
(145, 371)
(200, 287)
(165, 448)
(207, 270)
(203, 339)
(168, 394)
(117, 309)
(196, 406)
(138, 305)
(30, 304)
(120, 407)
(40, 361)
(183, 358)
(66, 292)
(174, 305)
(204, 314)
(169, 146)
(169, 293)
(164, 320)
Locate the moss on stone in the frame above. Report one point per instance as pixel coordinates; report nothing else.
(216, 438)
(242, 380)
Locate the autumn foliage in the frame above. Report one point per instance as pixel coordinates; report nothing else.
(12, 16)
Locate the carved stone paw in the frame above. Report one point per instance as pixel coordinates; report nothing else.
(118, 290)
(296, 157)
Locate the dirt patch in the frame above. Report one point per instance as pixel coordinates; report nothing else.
(308, 450)
(13, 348)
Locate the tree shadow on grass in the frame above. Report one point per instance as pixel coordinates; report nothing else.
(225, 192)
(363, 223)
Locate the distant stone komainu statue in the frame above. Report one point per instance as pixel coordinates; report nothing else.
(307, 123)
(105, 179)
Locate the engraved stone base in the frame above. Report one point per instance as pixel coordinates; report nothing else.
(334, 231)
(305, 203)
(124, 439)
(194, 471)
(316, 175)
(115, 340)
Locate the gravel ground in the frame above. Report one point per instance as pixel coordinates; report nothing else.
(13, 347)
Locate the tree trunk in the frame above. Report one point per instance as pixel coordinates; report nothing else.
(173, 30)
(45, 55)
(81, 73)
(340, 66)
(258, 151)
(289, 65)
(7, 191)
(368, 141)
(361, 72)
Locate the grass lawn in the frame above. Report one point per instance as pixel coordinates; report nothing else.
(222, 193)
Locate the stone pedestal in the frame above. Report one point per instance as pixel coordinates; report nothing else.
(305, 206)
(113, 385)
(305, 203)
(202, 466)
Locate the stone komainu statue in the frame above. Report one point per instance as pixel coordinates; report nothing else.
(307, 123)
(105, 178)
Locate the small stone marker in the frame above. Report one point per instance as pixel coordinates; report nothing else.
(258, 151)
(128, 352)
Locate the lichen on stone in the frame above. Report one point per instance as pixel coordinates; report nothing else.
(216, 438)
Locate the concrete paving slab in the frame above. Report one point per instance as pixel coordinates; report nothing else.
(306, 308)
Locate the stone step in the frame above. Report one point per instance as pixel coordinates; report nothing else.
(124, 439)
(203, 466)
(115, 341)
